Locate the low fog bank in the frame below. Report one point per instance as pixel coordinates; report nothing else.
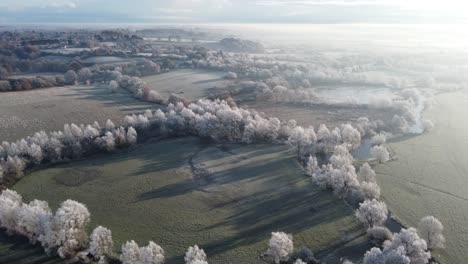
(389, 68)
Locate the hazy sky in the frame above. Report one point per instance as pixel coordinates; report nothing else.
(234, 11)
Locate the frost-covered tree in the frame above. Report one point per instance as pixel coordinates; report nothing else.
(400, 123)
(380, 153)
(312, 166)
(35, 152)
(113, 86)
(373, 256)
(90, 132)
(101, 244)
(120, 136)
(32, 219)
(10, 203)
(72, 132)
(195, 255)
(397, 256)
(231, 75)
(152, 254)
(341, 157)
(109, 124)
(413, 246)
(324, 137)
(14, 167)
(96, 125)
(366, 173)
(339, 175)
(280, 247)
(67, 230)
(84, 75)
(299, 261)
(302, 139)
(304, 254)
(427, 125)
(265, 74)
(350, 136)
(370, 190)
(372, 212)
(343, 180)
(377, 256)
(379, 234)
(130, 120)
(1, 171)
(155, 97)
(430, 229)
(378, 139)
(70, 77)
(130, 253)
(106, 142)
(131, 135)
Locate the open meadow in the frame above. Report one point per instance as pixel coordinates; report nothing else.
(108, 60)
(24, 113)
(309, 114)
(226, 198)
(186, 83)
(430, 175)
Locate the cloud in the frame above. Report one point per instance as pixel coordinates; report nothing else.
(173, 10)
(236, 11)
(21, 5)
(327, 2)
(423, 5)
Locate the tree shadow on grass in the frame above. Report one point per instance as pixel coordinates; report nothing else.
(209, 81)
(18, 250)
(285, 202)
(254, 219)
(347, 248)
(270, 194)
(168, 154)
(155, 154)
(98, 93)
(257, 170)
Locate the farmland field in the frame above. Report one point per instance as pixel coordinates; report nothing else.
(226, 198)
(308, 114)
(23, 113)
(107, 60)
(189, 84)
(35, 74)
(430, 175)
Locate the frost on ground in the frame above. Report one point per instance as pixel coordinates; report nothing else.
(251, 191)
(189, 84)
(430, 175)
(24, 113)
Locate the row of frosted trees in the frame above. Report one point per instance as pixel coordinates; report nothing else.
(73, 142)
(220, 121)
(64, 233)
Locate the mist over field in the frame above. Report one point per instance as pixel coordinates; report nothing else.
(218, 131)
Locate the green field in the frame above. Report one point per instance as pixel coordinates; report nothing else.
(430, 175)
(225, 198)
